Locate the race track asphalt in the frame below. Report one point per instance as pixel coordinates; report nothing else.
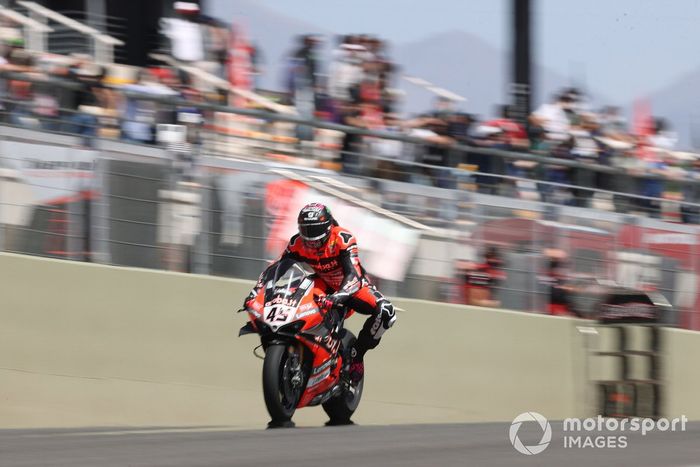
(407, 445)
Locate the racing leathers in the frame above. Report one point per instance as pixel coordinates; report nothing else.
(337, 263)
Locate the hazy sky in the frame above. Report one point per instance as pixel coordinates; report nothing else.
(624, 48)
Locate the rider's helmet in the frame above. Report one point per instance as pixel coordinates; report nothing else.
(315, 222)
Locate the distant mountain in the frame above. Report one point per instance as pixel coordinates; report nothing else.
(679, 103)
(463, 63)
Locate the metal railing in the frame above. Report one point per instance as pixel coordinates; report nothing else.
(271, 140)
(260, 125)
(33, 31)
(100, 45)
(112, 26)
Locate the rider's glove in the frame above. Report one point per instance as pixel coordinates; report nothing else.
(334, 299)
(327, 303)
(328, 306)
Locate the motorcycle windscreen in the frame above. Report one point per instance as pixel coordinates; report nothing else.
(288, 280)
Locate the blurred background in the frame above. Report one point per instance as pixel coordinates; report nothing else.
(532, 155)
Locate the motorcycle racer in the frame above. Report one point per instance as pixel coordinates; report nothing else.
(332, 252)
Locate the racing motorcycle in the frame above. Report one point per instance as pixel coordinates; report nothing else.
(307, 349)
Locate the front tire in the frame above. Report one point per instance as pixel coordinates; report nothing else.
(281, 395)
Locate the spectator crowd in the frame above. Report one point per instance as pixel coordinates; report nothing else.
(356, 86)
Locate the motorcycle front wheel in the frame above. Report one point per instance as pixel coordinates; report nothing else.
(282, 381)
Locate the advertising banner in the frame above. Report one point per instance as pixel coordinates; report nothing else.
(386, 246)
(48, 174)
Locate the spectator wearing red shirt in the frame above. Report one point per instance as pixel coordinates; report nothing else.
(556, 280)
(512, 133)
(479, 281)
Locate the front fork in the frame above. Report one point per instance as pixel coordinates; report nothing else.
(296, 357)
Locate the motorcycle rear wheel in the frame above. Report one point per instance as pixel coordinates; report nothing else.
(281, 396)
(340, 408)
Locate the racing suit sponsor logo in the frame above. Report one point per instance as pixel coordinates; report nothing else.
(327, 266)
(376, 325)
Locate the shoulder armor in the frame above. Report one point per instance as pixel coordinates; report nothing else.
(345, 238)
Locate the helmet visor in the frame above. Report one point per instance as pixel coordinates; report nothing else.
(314, 233)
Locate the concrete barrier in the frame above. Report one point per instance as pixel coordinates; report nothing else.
(90, 345)
(682, 374)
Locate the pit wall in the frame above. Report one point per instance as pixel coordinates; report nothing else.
(92, 345)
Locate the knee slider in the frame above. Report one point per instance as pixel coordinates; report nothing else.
(388, 313)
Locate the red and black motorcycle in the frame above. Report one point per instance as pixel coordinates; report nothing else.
(306, 347)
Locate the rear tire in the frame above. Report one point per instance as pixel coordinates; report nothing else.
(281, 398)
(341, 407)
